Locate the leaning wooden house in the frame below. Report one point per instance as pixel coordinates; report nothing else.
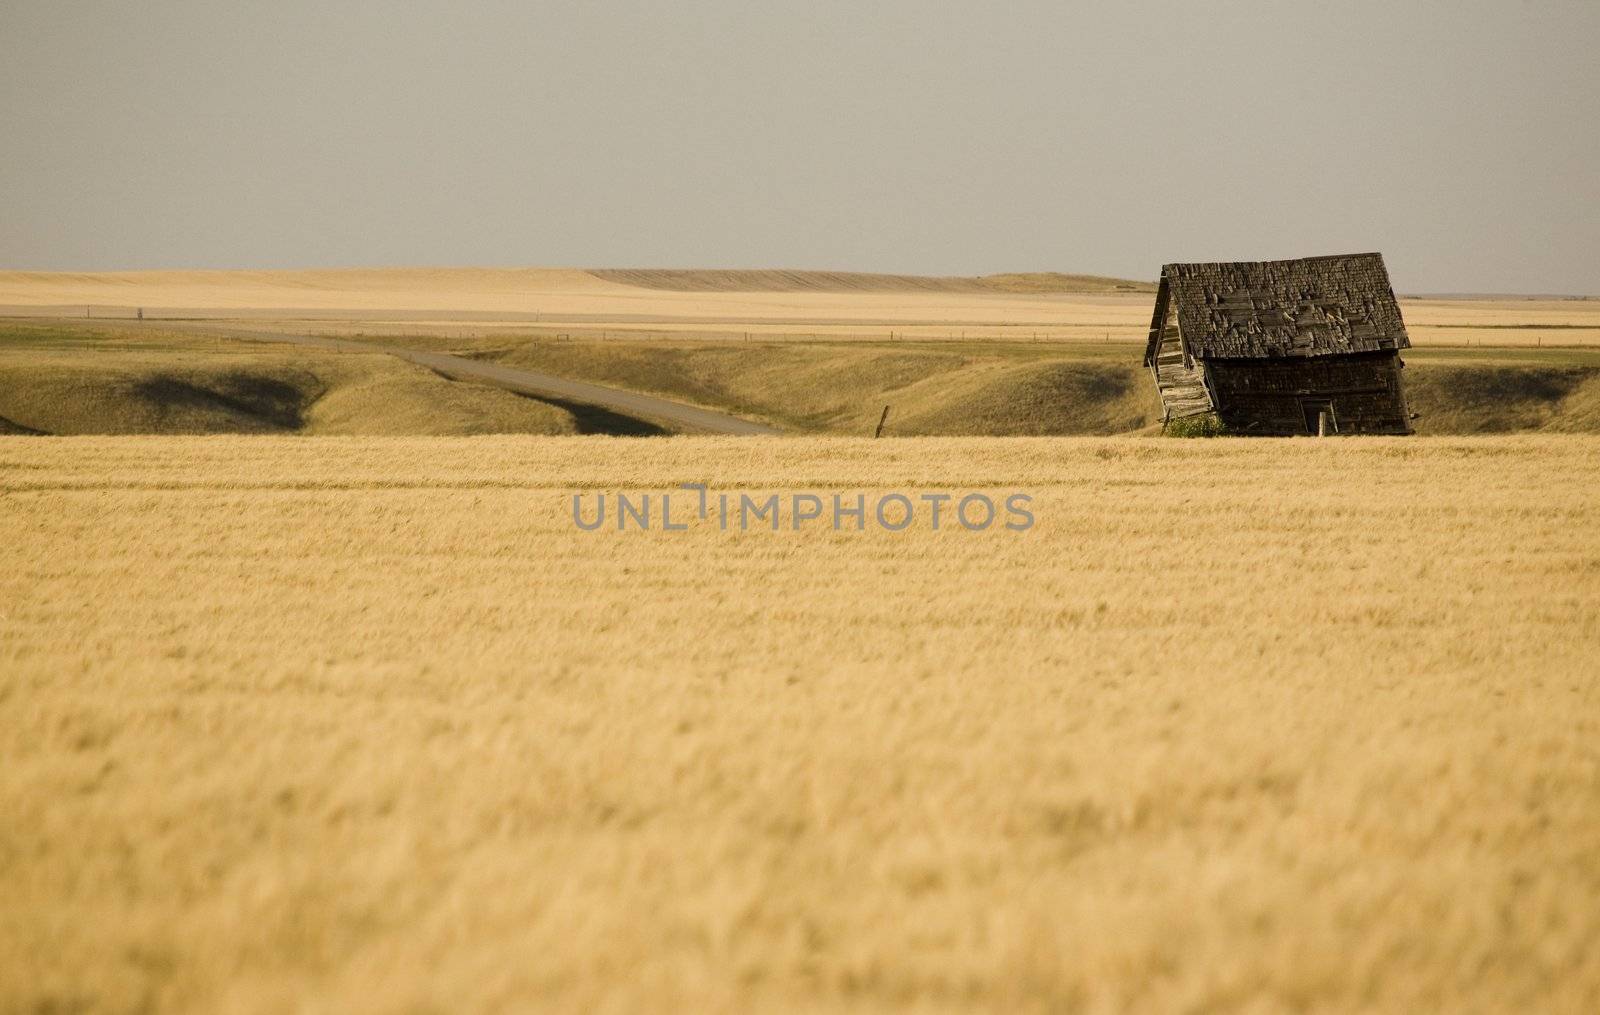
(1281, 347)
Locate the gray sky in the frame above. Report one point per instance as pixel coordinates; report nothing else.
(1462, 139)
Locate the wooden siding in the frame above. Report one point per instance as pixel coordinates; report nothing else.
(1264, 396)
(1182, 384)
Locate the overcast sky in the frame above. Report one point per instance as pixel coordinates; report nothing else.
(1461, 139)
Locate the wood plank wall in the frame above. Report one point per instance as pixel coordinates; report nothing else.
(1264, 396)
(1182, 386)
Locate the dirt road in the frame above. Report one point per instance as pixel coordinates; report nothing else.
(537, 385)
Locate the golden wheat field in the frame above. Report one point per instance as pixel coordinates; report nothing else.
(722, 305)
(325, 724)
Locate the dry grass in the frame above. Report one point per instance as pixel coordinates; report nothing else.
(778, 281)
(800, 305)
(334, 724)
(77, 380)
(988, 388)
(837, 387)
(71, 379)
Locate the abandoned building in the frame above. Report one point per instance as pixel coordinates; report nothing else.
(1281, 347)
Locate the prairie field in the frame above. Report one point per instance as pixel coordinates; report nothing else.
(1027, 354)
(728, 305)
(540, 575)
(334, 723)
(109, 377)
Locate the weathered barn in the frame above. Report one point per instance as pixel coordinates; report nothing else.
(1281, 347)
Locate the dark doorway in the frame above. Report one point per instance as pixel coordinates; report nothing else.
(1313, 409)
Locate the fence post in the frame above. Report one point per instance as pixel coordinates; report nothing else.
(881, 419)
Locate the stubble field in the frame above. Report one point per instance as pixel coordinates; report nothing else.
(332, 723)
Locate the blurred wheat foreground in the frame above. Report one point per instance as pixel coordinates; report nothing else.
(367, 723)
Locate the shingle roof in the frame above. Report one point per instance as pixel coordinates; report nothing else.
(1313, 306)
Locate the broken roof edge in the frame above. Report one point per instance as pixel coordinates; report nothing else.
(1282, 260)
(1158, 315)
